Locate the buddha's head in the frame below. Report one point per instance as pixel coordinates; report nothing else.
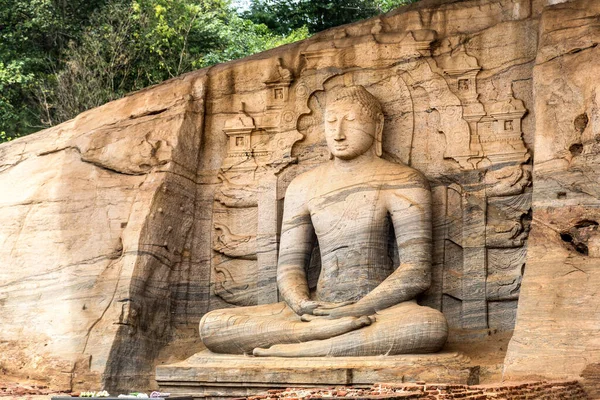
(353, 122)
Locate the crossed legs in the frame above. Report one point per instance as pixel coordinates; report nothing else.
(243, 329)
(404, 328)
(275, 330)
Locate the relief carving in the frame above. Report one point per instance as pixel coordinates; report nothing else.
(259, 148)
(505, 272)
(235, 246)
(236, 195)
(278, 84)
(495, 136)
(231, 287)
(508, 221)
(239, 132)
(507, 181)
(461, 71)
(506, 234)
(496, 203)
(501, 134)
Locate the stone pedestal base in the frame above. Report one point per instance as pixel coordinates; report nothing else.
(209, 375)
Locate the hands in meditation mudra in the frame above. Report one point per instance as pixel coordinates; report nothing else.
(362, 305)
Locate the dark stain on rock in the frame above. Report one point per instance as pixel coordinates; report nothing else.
(591, 380)
(576, 149)
(577, 237)
(580, 122)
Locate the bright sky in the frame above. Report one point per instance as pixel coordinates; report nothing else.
(241, 5)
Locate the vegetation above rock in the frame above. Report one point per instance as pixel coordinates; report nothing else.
(58, 58)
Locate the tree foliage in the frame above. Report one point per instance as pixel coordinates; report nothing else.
(284, 15)
(32, 36)
(128, 46)
(59, 58)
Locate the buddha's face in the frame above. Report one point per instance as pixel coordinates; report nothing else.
(349, 130)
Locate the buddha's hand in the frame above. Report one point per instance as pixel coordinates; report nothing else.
(350, 310)
(309, 306)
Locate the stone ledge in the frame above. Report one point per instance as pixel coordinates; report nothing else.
(209, 375)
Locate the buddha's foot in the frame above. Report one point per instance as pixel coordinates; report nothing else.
(305, 349)
(322, 329)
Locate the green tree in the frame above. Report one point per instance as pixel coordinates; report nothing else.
(284, 15)
(98, 69)
(128, 46)
(32, 35)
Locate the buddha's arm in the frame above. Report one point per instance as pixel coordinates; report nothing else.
(296, 244)
(411, 215)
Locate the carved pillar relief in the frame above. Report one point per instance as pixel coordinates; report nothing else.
(508, 223)
(501, 136)
(461, 71)
(509, 208)
(234, 242)
(246, 208)
(484, 265)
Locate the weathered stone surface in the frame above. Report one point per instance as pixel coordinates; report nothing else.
(95, 216)
(557, 322)
(207, 375)
(121, 228)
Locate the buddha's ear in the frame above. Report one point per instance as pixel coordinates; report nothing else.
(379, 136)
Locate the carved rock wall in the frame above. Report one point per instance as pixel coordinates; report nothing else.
(558, 323)
(455, 102)
(122, 227)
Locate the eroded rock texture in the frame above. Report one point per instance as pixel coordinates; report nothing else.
(121, 228)
(558, 324)
(96, 218)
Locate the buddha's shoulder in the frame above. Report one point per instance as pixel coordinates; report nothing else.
(306, 180)
(391, 172)
(310, 174)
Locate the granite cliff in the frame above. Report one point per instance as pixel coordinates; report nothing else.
(121, 228)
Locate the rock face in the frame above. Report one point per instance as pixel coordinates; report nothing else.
(558, 324)
(121, 228)
(97, 215)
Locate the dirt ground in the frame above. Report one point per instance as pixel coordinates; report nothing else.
(12, 388)
(486, 349)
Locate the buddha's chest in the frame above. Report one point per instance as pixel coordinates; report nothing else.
(347, 212)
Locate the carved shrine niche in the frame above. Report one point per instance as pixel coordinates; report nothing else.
(473, 154)
(246, 208)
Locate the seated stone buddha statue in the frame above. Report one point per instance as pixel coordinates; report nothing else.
(362, 305)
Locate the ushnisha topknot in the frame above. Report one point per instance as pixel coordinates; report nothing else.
(356, 94)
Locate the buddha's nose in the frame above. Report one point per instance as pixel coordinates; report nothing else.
(339, 134)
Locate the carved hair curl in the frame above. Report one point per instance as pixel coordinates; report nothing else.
(359, 95)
